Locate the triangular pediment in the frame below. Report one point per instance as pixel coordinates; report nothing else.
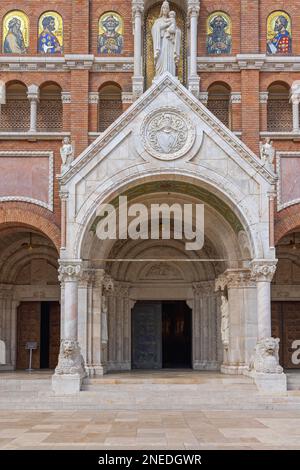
(129, 135)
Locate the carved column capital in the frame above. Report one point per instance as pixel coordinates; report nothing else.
(66, 97)
(33, 93)
(263, 97)
(70, 271)
(137, 8)
(205, 288)
(64, 195)
(234, 279)
(263, 270)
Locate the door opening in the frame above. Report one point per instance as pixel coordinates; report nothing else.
(161, 335)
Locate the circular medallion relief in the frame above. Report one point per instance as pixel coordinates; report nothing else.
(168, 134)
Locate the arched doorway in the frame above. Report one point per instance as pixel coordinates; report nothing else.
(29, 297)
(286, 300)
(156, 282)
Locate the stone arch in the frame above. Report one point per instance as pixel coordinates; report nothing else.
(287, 221)
(25, 217)
(239, 212)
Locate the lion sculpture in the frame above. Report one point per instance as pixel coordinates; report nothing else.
(70, 360)
(266, 357)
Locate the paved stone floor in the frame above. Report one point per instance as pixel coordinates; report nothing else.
(150, 430)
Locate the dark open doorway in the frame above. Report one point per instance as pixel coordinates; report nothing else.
(161, 335)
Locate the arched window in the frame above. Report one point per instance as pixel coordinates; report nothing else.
(50, 109)
(279, 33)
(219, 102)
(15, 114)
(51, 33)
(280, 116)
(15, 33)
(110, 34)
(110, 105)
(219, 34)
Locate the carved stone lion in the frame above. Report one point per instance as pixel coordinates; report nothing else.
(266, 357)
(70, 360)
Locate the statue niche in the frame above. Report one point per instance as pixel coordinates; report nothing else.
(165, 42)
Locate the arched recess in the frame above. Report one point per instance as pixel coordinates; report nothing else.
(110, 105)
(29, 296)
(219, 102)
(279, 109)
(152, 12)
(202, 191)
(24, 217)
(50, 110)
(15, 113)
(286, 298)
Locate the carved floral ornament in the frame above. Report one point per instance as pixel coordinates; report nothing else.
(168, 134)
(263, 271)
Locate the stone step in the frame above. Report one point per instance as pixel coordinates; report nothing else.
(293, 380)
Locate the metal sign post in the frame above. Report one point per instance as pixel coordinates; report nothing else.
(31, 345)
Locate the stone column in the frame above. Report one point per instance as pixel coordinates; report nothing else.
(66, 101)
(239, 315)
(33, 95)
(70, 369)
(295, 100)
(137, 20)
(119, 328)
(193, 14)
(263, 100)
(264, 365)
(7, 326)
(263, 272)
(64, 201)
(206, 328)
(97, 317)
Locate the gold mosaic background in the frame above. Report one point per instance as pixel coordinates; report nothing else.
(149, 69)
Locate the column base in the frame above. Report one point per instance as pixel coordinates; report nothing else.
(6, 367)
(233, 369)
(206, 365)
(66, 384)
(269, 383)
(94, 371)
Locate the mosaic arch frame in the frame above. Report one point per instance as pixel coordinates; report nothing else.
(110, 39)
(279, 41)
(214, 46)
(15, 34)
(50, 33)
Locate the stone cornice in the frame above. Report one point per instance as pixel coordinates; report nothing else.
(234, 63)
(66, 63)
(240, 62)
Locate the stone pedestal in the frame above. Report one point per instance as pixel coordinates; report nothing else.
(66, 384)
(270, 383)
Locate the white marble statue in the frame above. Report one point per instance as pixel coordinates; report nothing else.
(104, 325)
(267, 153)
(166, 41)
(225, 322)
(67, 154)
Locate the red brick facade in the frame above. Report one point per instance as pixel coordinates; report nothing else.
(79, 78)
